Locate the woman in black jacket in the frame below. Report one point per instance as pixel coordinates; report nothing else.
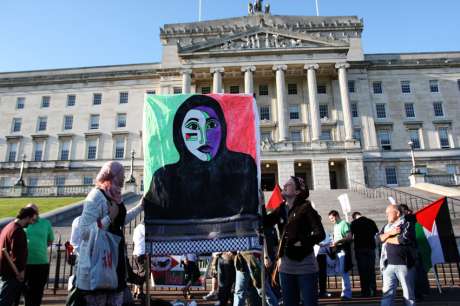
(301, 229)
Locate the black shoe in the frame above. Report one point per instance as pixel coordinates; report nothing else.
(345, 298)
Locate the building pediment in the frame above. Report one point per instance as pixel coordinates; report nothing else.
(263, 39)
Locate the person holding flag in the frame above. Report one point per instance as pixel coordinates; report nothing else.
(398, 257)
(296, 262)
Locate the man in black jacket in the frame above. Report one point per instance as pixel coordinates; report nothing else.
(363, 230)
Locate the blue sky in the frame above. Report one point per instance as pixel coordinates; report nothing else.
(49, 34)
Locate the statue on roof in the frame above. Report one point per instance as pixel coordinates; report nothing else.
(257, 7)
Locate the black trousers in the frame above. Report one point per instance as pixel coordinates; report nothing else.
(225, 277)
(365, 258)
(322, 275)
(36, 277)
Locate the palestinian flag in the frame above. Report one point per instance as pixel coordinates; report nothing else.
(435, 235)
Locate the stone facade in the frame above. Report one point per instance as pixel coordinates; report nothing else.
(326, 108)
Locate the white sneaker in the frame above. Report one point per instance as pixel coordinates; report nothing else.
(211, 296)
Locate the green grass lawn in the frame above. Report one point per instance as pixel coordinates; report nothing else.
(9, 207)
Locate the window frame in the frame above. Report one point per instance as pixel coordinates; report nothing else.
(387, 145)
(391, 175)
(354, 110)
(20, 102)
(294, 114)
(409, 111)
(405, 87)
(263, 90)
(234, 89)
(261, 113)
(292, 89)
(323, 108)
(42, 123)
(14, 123)
(351, 86)
(445, 145)
(434, 86)
(67, 124)
(97, 124)
(71, 100)
(97, 98)
(123, 97)
(378, 112)
(377, 87)
(437, 109)
(45, 102)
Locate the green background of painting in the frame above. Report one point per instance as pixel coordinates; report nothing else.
(159, 148)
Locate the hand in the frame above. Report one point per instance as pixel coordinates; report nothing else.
(20, 276)
(267, 262)
(113, 211)
(332, 245)
(395, 231)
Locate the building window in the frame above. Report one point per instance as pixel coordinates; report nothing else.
(150, 92)
(123, 97)
(385, 140)
(94, 122)
(33, 181)
(351, 86)
(414, 137)
(390, 176)
(325, 135)
(65, 150)
(354, 110)
(38, 151)
(294, 113)
(235, 89)
(41, 124)
(444, 137)
(321, 89)
(409, 109)
(71, 99)
(68, 122)
(296, 136)
(323, 111)
(292, 89)
(46, 101)
(177, 90)
(266, 136)
(438, 110)
(20, 102)
(16, 125)
(59, 180)
(97, 99)
(263, 90)
(434, 86)
(121, 120)
(91, 150)
(205, 90)
(119, 148)
(264, 113)
(357, 134)
(88, 180)
(380, 110)
(12, 151)
(405, 86)
(377, 87)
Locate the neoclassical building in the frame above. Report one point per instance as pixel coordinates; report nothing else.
(328, 112)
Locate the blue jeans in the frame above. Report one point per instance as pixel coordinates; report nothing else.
(292, 286)
(243, 289)
(10, 289)
(346, 284)
(391, 275)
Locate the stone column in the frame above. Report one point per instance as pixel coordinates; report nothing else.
(313, 100)
(285, 171)
(186, 81)
(248, 79)
(217, 79)
(346, 109)
(320, 173)
(281, 100)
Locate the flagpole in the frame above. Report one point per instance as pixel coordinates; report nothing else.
(436, 277)
(317, 8)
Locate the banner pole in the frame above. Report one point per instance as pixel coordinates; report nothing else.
(263, 272)
(436, 277)
(147, 278)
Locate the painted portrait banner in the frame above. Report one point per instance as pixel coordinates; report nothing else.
(201, 173)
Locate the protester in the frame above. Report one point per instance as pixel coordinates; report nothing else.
(248, 283)
(421, 283)
(212, 295)
(298, 269)
(39, 237)
(364, 230)
(13, 257)
(191, 273)
(225, 277)
(139, 257)
(341, 243)
(75, 236)
(104, 207)
(397, 259)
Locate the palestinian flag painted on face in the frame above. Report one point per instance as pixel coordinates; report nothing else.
(435, 235)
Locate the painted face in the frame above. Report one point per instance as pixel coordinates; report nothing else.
(202, 132)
